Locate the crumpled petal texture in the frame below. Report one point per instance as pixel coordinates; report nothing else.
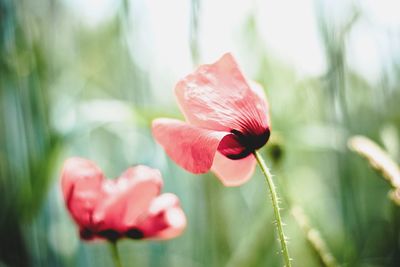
(226, 121)
(122, 207)
(218, 97)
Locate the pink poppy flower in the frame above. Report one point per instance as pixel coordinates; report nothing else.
(226, 121)
(129, 206)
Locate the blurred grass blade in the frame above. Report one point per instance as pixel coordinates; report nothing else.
(314, 238)
(194, 31)
(377, 157)
(28, 144)
(380, 160)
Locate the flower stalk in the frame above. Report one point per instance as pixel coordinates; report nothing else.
(275, 205)
(115, 255)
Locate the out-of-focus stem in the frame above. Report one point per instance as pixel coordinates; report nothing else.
(275, 205)
(115, 254)
(314, 238)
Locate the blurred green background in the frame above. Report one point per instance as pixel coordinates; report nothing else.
(86, 77)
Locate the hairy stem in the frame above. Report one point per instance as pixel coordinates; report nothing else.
(275, 205)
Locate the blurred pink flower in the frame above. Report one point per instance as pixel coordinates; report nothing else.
(129, 206)
(226, 121)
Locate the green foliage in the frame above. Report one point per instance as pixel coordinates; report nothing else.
(70, 89)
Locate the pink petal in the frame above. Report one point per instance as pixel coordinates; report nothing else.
(128, 198)
(233, 172)
(165, 218)
(190, 147)
(259, 90)
(218, 97)
(129, 206)
(81, 182)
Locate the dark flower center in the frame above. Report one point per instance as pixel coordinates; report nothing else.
(109, 234)
(239, 145)
(86, 234)
(134, 233)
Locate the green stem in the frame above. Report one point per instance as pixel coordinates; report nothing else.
(275, 205)
(115, 254)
